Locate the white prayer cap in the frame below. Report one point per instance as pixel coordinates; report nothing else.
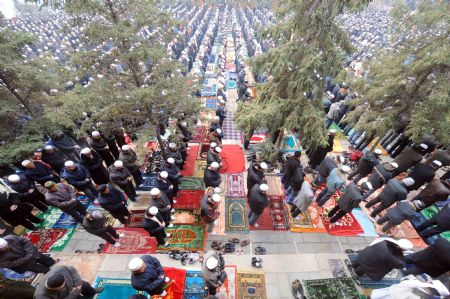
(211, 263)
(217, 190)
(345, 168)
(219, 131)
(216, 197)
(25, 162)
(264, 187)
(85, 151)
(171, 160)
(437, 163)
(155, 192)
(220, 98)
(405, 244)
(215, 165)
(333, 131)
(222, 101)
(423, 146)
(394, 165)
(95, 134)
(153, 210)
(135, 264)
(263, 165)
(14, 178)
(69, 163)
(378, 151)
(118, 164)
(408, 181)
(213, 144)
(3, 243)
(218, 149)
(172, 145)
(97, 214)
(184, 124)
(125, 147)
(163, 174)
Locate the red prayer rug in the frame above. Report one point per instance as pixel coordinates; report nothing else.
(136, 218)
(135, 241)
(175, 287)
(274, 217)
(189, 199)
(235, 185)
(199, 134)
(189, 165)
(203, 151)
(264, 222)
(232, 159)
(45, 238)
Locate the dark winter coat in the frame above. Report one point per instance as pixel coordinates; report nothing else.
(254, 176)
(41, 174)
(119, 175)
(326, 166)
(113, 200)
(56, 159)
(164, 186)
(22, 187)
(440, 155)
(99, 145)
(208, 210)
(176, 155)
(297, 179)
(381, 173)
(111, 140)
(401, 212)
(407, 159)
(162, 203)
(316, 156)
(212, 178)
(95, 167)
(393, 191)
(149, 280)
(257, 200)
(435, 191)
(153, 227)
(129, 159)
(76, 177)
(72, 280)
(421, 173)
(95, 226)
(210, 158)
(173, 171)
(378, 260)
(65, 144)
(351, 198)
(433, 260)
(20, 255)
(367, 163)
(443, 217)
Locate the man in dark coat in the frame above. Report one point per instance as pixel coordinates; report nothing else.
(66, 145)
(173, 172)
(111, 140)
(433, 260)
(129, 159)
(120, 175)
(165, 185)
(13, 289)
(101, 147)
(292, 164)
(94, 164)
(435, 191)
(439, 223)
(325, 167)
(403, 210)
(78, 176)
(27, 191)
(442, 155)
(154, 224)
(212, 176)
(221, 112)
(39, 172)
(173, 152)
(209, 210)
(380, 175)
(349, 200)
(15, 212)
(393, 192)
(20, 255)
(365, 165)
(214, 156)
(423, 173)
(379, 259)
(54, 157)
(148, 275)
(410, 156)
(257, 201)
(255, 175)
(113, 200)
(316, 156)
(162, 202)
(64, 282)
(95, 223)
(64, 197)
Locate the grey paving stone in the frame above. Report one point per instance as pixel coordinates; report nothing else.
(356, 240)
(306, 248)
(272, 291)
(311, 237)
(287, 248)
(298, 237)
(80, 235)
(284, 285)
(328, 238)
(271, 278)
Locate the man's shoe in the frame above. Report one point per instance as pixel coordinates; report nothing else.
(294, 289)
(166, 244)
(168, 235)
(300, 289)
(163, 294)
(98, 290)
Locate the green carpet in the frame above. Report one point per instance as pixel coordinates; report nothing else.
(59, 245)
(186, 237)
(191, 183)
(236, 215)
(333, 288)
(49, 218)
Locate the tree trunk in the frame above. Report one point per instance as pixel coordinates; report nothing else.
(280, 139)
(19, 98)
(161, 143)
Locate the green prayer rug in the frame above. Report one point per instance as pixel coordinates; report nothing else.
(186, 237)
(236, 215)
(60, 244)
(49, 218)
(342, 288)
(191, 183)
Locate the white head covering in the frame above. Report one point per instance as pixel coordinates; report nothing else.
(219, 131)
(263, 165)
(437, 163)
(217, 190)
(394, 165)
(213, 144)
(14, 178)
(135, 264)
(171, 160)
(125, 147)
(405, 244)
(163, 174)
(215, 165)
(25, 162)
(345, 168)
(48, 147)
(95, 133)
(118, 164)
(212, 263)
(378, 151)
(333, 131)
(153, 211)
(69, 163)
(216, 197)
(218, 149)
(85, 151)
(264, 187)
(172, 145)
(3, 243)
(424, 146)
(155, 192)
(408, 181)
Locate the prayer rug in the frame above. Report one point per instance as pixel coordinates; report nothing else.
(232, 159)
(203, 151)
(65, 221)
(211, 103)
(186, 237)
(230, 132)
(49, 218)
(189, 165)
(187, 216)
(251, 285)
(193, 285)
(231, 84)
(199, 170)
(136, 218)
(278, 213)
(149, 182)
(290, 144)
(264, 222)
(174, 288)
(236, 215)
(235, 185)
(45, 238)
(115, 288)
(189, 199)
(199, 134)
(61, 243)
(331, 288)
(141, 203)
(87, 265)
(366, 224)
(310, 222)
(275, 186)
(135, 241)
(219, 223)
(337, 268)
(191, 183)
(228, 289)
(27, 276)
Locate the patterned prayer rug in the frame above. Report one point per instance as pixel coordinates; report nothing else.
(236, 215)
(230, 131)
(45, 238)
(278, 213)
(189, 199)
(149, 182)
(115, 288)
(65, 221)
(175, 287)
(199, 134)
(187, 216)
(337, 268)
(211, 103)
(49, 218)
(228, 289)
(219, 223)
(251, 285)
(264, 222)
(189, 165)
(290, 144)
(142, 203)
(199, 170)
(27, 276)
(193, 285)
(235, 185)
(203, 151)
(61, 243)
(136, 218)
(186, 237)
(232, 159)
(87, 265)
(275, 186)
(190, 183)
(135, 241)
(331, 288)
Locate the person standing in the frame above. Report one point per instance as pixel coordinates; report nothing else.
(316, 156)
(66, 145)
(64, 282)
(174, 174)
(215, 137)
(39, 172)
(255, 175)
(165, 185)
(212, 176)
(63, 197)
(292, 164)
(213, 272)
(94, 164)
(78, 176)
(147, 275)
(129, 159)
(154, 224)
(433, 260)
(111, 140)
(257, 201)
(99, 144)
(20, 255)
(214, 156)
(15, 212)
(221, 112)
(348, 201)
(94, 222)
(27, 191)
(54, 157)
(162, 202)
(209, 210)
(113, 200)
(122, 178)
(366, 164)
(173, 152)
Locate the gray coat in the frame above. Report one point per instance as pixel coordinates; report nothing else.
(129, 159)
(63, 198)
(305, 197)
(210, 277)
(393, 191)
(326, 166)
(401, 212)
(351, 198)
(72, 280)
(407, 159)
(20, 255)
(119, 175)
